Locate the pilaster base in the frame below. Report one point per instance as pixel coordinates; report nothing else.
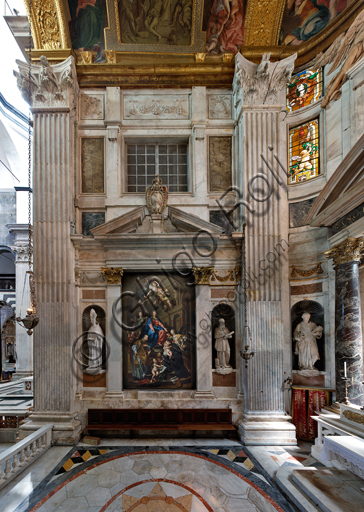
(66, 429)
(203, 395)
(267, 431)
(117, 395)
(20, 374)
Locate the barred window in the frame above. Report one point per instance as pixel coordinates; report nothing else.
(170, 161)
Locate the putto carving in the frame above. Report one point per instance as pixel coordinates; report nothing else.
(113, 275)
(49, 85)
(156, 197)
(264, 83)
(350, 249)
(92, 107)
(219, 107)
(202, 274)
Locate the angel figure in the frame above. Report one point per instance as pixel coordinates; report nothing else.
(303, 160)
(347, 49)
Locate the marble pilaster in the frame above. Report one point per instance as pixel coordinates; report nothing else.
(203, 341)
(114, 364)
(24, 342)
(260, 94)
(53, 98)
(348, 332)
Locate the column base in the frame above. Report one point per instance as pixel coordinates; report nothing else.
(267, 431)
(117, 395)
(66, 428)
(203, 395)
(21, 374)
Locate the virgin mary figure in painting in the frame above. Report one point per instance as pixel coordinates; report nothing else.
(155, 330)
(226, 27)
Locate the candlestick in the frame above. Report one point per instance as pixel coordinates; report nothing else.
(345, 400)
(345, 369)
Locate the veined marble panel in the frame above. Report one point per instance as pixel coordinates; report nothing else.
(156, 106)
(220, 163)
(92, 165)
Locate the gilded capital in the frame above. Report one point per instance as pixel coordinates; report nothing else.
(202, 274)
(350, 249)
(113, 275)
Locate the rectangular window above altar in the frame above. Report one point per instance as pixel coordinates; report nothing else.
(169, 161)
(304, 150)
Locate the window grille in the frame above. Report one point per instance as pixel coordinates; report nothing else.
(169, 161)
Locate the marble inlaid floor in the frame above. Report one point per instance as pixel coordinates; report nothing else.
(163, 476)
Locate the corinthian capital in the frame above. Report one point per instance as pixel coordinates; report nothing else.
(264, 83)
(48, 86)
(350, 249)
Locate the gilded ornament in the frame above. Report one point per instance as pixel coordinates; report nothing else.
(354, 416)
(110, 56)
(263, 21)
(202, 274)
(112, 275)
(349, 250)
(229, 276)
(228, 57)
(238, 272)
(306, 273)
(200, 57)
(49, 26)
(156, 197)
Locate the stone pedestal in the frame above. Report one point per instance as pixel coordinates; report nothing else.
(54, 100)
(24, 342)
(348, 333)
(259, 97)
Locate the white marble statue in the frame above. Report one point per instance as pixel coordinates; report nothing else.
(305, 335)
(95, 341)
(222, 336)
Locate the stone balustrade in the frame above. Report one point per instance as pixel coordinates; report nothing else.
(17, 458)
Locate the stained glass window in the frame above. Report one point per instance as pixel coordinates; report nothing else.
(305, 88)
(304, 152)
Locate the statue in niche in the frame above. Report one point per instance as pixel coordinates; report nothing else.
(222, 336)
(305, 335)
(95, 338)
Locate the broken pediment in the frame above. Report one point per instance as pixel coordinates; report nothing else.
(139, 221)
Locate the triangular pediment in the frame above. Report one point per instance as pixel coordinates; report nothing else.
(138, 221)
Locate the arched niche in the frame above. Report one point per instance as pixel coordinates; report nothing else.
(86, 324)
(317, 316)
(226, 312)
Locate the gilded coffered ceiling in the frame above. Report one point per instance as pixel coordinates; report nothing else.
(180, 37)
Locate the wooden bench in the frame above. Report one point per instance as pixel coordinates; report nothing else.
(160, 419)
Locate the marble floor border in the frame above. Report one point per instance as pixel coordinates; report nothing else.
(48, 486)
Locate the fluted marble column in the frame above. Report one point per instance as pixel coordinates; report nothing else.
(348, 333)
(259, 97)
(24, 342)
(54, 100)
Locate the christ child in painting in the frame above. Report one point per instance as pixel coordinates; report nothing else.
(157, 369)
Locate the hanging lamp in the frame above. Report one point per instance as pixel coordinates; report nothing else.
(31, 319)
(246, 354)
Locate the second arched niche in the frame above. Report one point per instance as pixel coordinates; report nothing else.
(225, 312)
(301, 361)
(86, 326)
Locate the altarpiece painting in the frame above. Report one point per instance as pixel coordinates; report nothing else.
(158, 314)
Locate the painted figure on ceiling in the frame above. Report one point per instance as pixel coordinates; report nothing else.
(225, 31)
(304, 19)
(86, 26)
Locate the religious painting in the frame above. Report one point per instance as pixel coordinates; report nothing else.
(304, 152)
(155, 21)
(158, 316)
(303, 19)
(220, 160)
(304, 89)
(92, 165)
(88, 19)
(223, 22)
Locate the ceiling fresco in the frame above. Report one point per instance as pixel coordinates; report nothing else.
(303, 19)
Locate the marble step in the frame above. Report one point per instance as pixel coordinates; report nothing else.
(293, 492)
(333, 490)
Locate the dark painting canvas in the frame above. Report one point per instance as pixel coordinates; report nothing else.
(158, 314)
